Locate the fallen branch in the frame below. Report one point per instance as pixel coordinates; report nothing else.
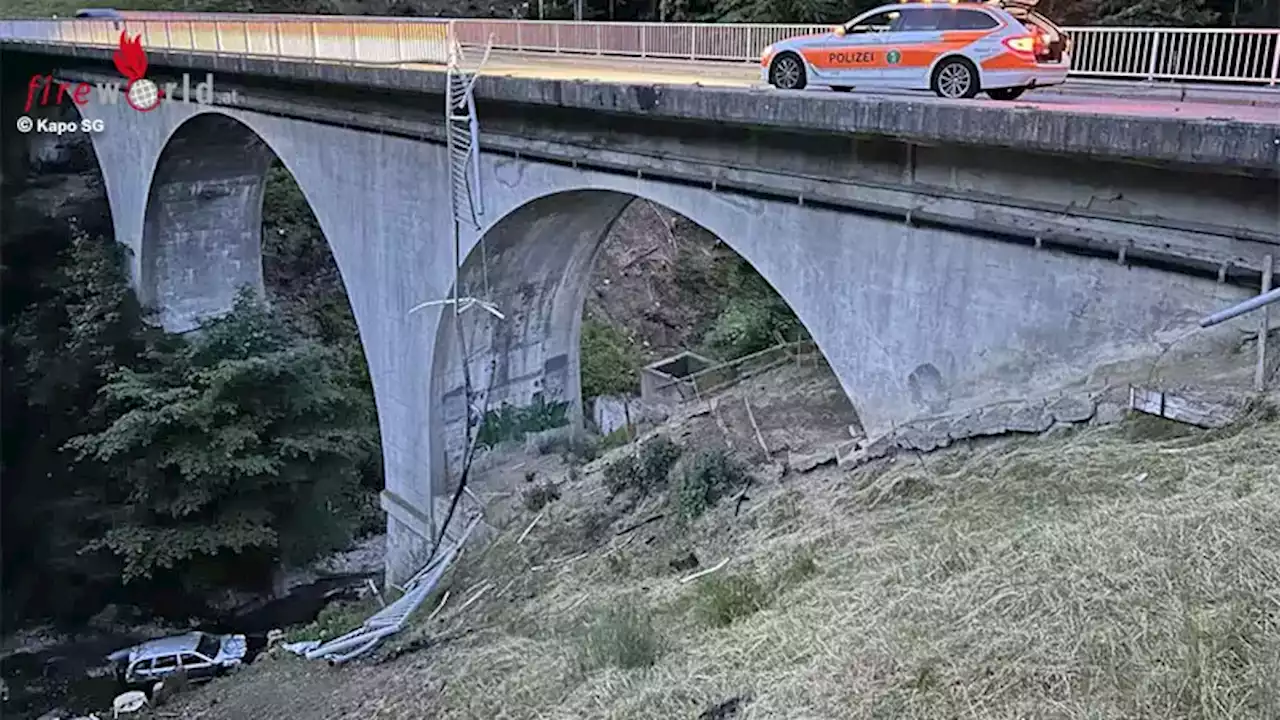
(439, 607)
(642, 523)
(708, 571)
(524, 534)
(759, 437)
(475, 597)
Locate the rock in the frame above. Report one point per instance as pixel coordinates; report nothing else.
(805, 463)
(1032, 418)
(686, 563)
(772, 472)
(1108, 413)
(1072, 409)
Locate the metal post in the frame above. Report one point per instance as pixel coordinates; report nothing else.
(1151, 61)
(693, 42)
(315, 43)
(1264, 327)
(1235, 311)
(279, 41)
(191, 34)
(246, 37)
(352, 27)
(1275, 62)
(217, 38)
(399, 42)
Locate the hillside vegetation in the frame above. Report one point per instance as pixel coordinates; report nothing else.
(1118, 572)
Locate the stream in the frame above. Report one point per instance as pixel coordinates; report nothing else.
(74, 677)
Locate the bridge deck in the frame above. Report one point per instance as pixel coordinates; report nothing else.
(1077, 96)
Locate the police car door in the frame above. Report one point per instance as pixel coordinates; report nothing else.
(911, 46)
(857, 56)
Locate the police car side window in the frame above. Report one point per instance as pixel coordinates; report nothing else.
(880, 22)
(918, 20)
(969, 20)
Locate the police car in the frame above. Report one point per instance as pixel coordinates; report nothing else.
(956, 49)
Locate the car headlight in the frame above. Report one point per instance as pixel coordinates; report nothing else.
(767, 51)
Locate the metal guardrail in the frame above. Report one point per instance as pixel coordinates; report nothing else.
(1242, 56)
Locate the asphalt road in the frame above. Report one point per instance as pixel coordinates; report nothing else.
(1140, 99)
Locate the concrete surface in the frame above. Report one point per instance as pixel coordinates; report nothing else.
(1236, 136)
(917, 321)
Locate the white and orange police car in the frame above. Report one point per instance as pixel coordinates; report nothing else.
(956, 49)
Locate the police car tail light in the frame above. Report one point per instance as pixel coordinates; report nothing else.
(1023, 44)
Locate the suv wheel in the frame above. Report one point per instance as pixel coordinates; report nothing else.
(1006, 93)
(787, 72)
(955, 78)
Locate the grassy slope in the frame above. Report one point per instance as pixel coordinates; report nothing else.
(1123, 572)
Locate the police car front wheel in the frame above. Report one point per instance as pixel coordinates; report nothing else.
(787, 73)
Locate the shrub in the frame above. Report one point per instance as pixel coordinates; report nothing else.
(722, 599)
(623, 637)
(645, 471)
(541, 495)
(709, 476)
(608, 361)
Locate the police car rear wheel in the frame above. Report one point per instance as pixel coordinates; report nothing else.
(788, 73)
(1006, 93)
(955, 78)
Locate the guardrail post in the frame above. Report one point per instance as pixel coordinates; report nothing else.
(279, 42)
(599, 42)
(1151, 61)
(1275, 62)
(351, 27)
(519, 38)
(693, 42)
(400, 42)
(643, 37)
(555, 32)
(315, 43)
(245, 27)
(217, 38)
(191, 34)
(167, 42)
(1264, 327)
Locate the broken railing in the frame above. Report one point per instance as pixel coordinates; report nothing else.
(393, 617)
(1262, 302)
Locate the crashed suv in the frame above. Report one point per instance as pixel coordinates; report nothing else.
(200, 655)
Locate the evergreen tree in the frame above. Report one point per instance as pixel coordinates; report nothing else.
(231, 452)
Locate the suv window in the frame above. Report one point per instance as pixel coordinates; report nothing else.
(189, 659)
(142, 665)
(166, 662)
(918, 20)
(961, 19)
(208, 646)
(880, 22)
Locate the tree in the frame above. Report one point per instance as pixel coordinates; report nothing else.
(231, 452)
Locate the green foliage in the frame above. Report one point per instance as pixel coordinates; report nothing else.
(708, 477)
(645, 471)
(541, 495)
(609, 361)
(723, 599)
(755, 317)
(513, 423)
(335, 620)
(244, 440)
(69, 318)
(623, 637)
(773, 11)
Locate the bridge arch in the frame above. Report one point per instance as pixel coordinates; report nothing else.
(534, 264)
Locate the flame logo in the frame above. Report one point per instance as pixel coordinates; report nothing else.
(130, 59)
(142, 94)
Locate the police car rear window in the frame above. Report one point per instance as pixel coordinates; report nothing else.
(959, 19)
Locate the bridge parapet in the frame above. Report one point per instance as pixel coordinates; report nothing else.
(1241, 56)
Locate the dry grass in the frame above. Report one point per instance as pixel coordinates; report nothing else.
(1129, 572)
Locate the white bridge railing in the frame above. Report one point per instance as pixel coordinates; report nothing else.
(1242, 56)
